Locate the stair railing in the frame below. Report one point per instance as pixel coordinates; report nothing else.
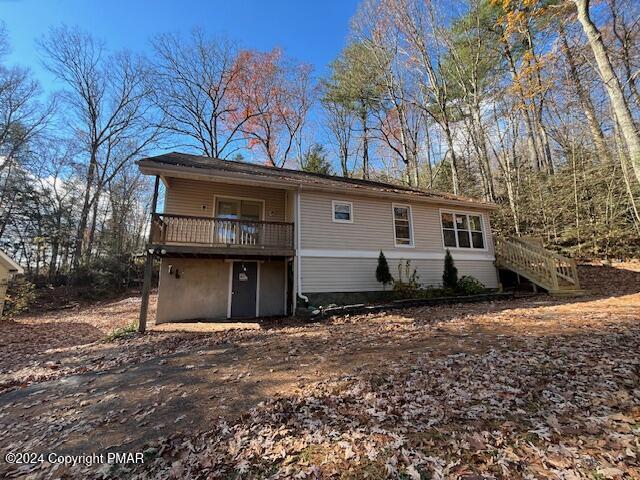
(543, 266)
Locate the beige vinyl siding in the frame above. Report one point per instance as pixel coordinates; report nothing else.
(324, 274)
(188, 197)
(372, 227)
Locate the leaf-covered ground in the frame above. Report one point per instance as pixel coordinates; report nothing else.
(527, 388)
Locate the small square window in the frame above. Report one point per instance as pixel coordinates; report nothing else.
(342, 212)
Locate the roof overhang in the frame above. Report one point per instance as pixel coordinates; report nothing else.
(150, 167)
(10, 264)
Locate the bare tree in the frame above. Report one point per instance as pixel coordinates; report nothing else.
(419, 22)
(107, 100)
(400, 121)
(339, 122)
(22, 116)
(193, 81)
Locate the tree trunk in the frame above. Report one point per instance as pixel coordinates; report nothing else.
(532, 144)
(455, 182)
(344, 158)
(365, 144)
(625, 176)
(483, 153)
(546, 148)
(55, 247)
(585, 99)
(86, 207)
(612, 85)
(94, 222)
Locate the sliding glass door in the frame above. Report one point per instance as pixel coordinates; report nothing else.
(241, 226)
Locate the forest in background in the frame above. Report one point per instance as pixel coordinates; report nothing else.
(534, 105)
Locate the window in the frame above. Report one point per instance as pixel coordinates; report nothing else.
(402, 225)
(461, 230)
(342, 212)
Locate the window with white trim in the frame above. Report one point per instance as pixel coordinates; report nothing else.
(462, 230)
(402, 225)
(342, 212)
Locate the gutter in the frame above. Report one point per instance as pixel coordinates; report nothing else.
(298, 249)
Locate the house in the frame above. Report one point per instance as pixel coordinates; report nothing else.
(239, 240)
(8, 268)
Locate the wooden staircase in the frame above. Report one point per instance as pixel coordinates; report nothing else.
(553, 272)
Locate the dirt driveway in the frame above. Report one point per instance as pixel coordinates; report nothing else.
(127, 394)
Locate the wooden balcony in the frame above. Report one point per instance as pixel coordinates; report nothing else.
(207, 235)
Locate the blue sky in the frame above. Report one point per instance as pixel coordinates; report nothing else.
(311, 31)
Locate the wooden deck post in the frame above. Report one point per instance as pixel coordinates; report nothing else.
(146, 288)
(574, 273)
(148, 267)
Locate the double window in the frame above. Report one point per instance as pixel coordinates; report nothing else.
(402, 225)
(462, 230)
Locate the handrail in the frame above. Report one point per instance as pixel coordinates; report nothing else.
(542, 266)
(238, 220)
(217, 231)
(565, 267)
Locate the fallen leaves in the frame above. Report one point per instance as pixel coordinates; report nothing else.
(524, 389)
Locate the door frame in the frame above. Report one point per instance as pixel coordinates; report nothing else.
(230, 293)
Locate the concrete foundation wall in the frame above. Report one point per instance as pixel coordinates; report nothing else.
(200, 293)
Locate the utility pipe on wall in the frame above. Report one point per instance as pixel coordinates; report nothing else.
(298, 246)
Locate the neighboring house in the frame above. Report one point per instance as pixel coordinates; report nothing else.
(8, 268)
(242, 240)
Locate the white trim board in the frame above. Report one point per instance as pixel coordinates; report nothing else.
(11, 264)
(396, 255)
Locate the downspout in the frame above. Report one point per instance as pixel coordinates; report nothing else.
(298, 244)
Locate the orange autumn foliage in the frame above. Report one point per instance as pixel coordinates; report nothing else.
(273, 94)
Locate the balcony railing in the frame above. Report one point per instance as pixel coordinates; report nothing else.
(219, 232)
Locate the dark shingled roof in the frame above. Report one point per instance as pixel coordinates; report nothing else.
(297, 177)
